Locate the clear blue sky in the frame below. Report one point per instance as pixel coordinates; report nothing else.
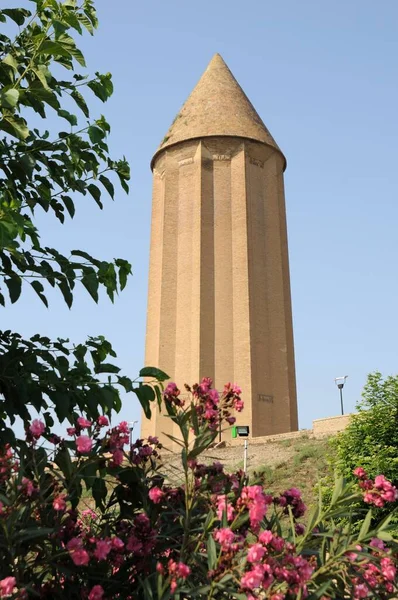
(323, 76)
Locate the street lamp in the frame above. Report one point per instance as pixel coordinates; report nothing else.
(340, 381)
(131, 428)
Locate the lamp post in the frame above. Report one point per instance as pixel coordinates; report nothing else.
(131, 428)
(340, 381)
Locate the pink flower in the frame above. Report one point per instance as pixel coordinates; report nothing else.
(214, 396)
(266, 537)
(183, 570)
(360, 473)
(102, 422)
(124, 427)
(361, 590)
(117, 543)
(224, 506)
(156, 495)
(117, 457)
(180, 569)
(89, 514)
(37, 428)
(252, 579)
(153, 440)
(225, 537)
(256, 553)
(377, 543)
(84, 444)
(388, 569)
(257, 502)
(80, 557)
(7, 586)
(239, 405)
(59, 503)
(97, 593)
(84, 422)
(27, 486)
(71, 430)
(102, 549)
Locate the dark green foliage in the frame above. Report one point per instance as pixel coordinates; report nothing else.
(40, 71)
(48, 171)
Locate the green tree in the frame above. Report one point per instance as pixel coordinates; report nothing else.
(42, 70)
(371, 438)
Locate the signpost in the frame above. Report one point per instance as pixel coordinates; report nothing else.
(243, 431)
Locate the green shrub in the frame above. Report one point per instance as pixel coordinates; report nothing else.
(371, 438)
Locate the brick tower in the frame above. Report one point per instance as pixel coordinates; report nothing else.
(219, 289)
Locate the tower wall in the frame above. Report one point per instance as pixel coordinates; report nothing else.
(219, 293)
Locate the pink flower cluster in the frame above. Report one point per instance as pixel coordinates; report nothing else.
(141, 537)
(37, 428)
(85, 548)
(377, 492)
(141, 452)
(171, 395)
(84, 442)
(213, 409)
(257, 502)
(118, 437)
(175, 570)
(372, 578)
(292, 498)
(8, 465)
(270, 560)
(7, 587)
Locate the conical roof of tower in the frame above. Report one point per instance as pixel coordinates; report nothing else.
(217, 107)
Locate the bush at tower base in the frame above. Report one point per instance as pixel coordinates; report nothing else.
(86, 517)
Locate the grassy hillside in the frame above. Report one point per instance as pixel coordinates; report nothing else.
(296, 462)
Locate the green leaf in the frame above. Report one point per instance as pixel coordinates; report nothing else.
(10, 61)
(154, 373)
(106, 368)
(15, 126)
(96, 194)
(95, 134)
(14, 284)
(81, 103)
(90, 282)
(9, 98)
(23, 535)
(72, 119)
(211, 553)
(126, 383)
(42, 73)
(365, 525)
(338, 488)
(62, 405)
(69, 205)
(66, 292)
(99, 491)
(145, 395)
(108, 185)
(385, 536)
(18, 15)
(39, 289)
(87, 256)
(52, 48)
